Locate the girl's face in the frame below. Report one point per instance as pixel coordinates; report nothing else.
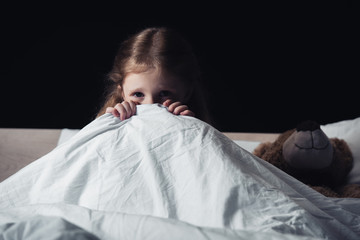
(152, 87)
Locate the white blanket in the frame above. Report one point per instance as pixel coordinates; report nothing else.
(161, 176)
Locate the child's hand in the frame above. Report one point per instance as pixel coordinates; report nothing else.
(123, 110)
(178, 108)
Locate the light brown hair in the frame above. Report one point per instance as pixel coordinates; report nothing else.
(159, 48)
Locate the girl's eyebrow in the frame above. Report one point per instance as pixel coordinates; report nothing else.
(136, 90)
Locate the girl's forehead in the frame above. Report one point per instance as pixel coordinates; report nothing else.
(152, 76)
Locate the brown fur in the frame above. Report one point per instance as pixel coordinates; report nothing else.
(330, 181)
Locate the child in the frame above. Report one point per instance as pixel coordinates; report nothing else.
(155, 65)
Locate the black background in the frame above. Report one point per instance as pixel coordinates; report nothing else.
(264, 71)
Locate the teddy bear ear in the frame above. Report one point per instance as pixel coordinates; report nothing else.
(308, 149)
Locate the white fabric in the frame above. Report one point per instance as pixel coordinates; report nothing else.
(66, 134)
(247, 145)
(349, 130)
(161, 176)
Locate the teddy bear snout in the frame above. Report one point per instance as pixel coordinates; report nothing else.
(308, 150)
(311, 139)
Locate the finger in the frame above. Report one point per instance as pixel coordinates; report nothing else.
(188, 113)
(128, 109)
(180, 109)
(122, 111)
(133, 107)
(167, 102)
(173, 106)
(113, 111)
(109, 110)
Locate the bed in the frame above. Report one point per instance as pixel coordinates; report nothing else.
(160, 176)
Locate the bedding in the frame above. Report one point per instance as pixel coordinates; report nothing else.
(349, 130)
(161, 176)
(251, 142)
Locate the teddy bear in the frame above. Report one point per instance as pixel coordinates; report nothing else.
(307, 154)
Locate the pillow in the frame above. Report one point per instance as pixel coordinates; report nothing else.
(349, 130)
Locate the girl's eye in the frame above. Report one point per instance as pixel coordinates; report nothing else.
(138, 94)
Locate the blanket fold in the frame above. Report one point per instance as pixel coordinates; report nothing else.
(178, 169)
